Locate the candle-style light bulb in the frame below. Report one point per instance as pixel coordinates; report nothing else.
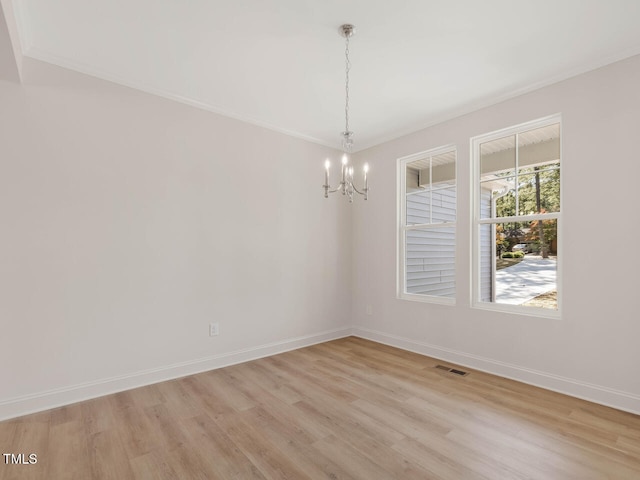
(344, 168)
(366, 170)
(327, 163)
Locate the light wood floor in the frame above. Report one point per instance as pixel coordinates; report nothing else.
(346, 409)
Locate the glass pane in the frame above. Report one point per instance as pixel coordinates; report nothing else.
(526, 195)
(430, 189)
(539, 147)
(497, 174)
(505, 204)
(539, 189)
(498, 156)
(497, 198)
(443, 168)
(430, 261)
(418, 208)
(539, 166)
(443, 205)
(518, 263)
(412, 177)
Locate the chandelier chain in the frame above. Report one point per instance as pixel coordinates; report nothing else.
(346, 87)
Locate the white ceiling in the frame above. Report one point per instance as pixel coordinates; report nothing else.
(280, 63)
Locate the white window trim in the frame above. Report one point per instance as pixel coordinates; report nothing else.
(402, 227)
(476, 221)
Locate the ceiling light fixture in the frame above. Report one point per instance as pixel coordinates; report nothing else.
(346, 186)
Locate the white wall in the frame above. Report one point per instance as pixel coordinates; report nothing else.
(593, 350)
(130, 222)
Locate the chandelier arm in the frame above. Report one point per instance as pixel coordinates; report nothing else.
(365, 191)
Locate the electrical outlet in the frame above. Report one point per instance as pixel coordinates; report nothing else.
(214, 329)
(369, 310)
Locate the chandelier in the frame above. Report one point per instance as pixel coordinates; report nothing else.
(346, 186)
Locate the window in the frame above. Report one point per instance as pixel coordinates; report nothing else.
(427, 219)
(516, 231)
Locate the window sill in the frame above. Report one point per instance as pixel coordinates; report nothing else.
(413, 297)
(519, 310)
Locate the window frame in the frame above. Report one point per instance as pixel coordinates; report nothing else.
(401, 210)
(477, 221)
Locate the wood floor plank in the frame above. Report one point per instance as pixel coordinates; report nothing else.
(179, 400)
(31, 436)
(153, 466)
(212, 446)
(7, 432)
(348, 409)
(232, 388)
(438, 466)
(97, 415)
(298, 371)
(255, 444)
(305, 455)
(372, 454)
(168, 429)
(357, 465)
(136, 432)
(258, 374)
(67, 451)
(108, 459)
(194, 464)
(148, 396)
(201, 394)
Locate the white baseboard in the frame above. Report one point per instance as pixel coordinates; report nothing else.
(24, 405)
(568, 386)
